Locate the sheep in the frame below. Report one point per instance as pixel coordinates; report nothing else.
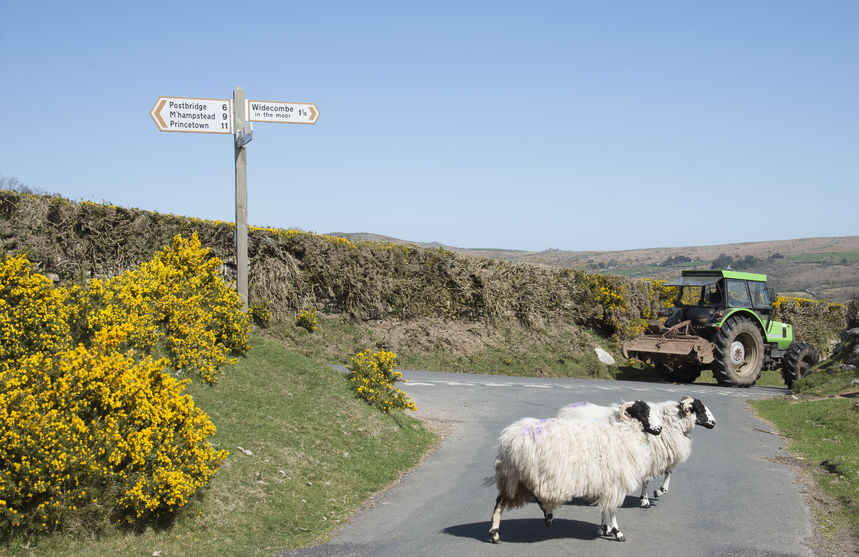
(555, 460)
(669, 449)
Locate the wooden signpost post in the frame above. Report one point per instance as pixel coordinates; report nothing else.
(183, 114)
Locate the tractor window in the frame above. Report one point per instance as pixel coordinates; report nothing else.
(738, 294)
(691, 296)
(760, 296)
(712, 294)
(699, 295)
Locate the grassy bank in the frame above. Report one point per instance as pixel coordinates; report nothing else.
(310, 454)
(820, 422)
(557, 350)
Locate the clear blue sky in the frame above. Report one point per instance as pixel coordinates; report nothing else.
(600, 125)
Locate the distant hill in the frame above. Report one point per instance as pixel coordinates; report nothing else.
(818, 268)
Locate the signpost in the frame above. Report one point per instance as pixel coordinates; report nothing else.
(241, 198)
(284, 113)
(183, 114)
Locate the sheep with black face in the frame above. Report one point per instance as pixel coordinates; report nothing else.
(557, 459)
(671, 448)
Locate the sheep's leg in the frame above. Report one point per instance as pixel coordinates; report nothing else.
(644, 502)
(604, 523)
(663, 489)
(615, 530)
(547, 515)
(496, 519)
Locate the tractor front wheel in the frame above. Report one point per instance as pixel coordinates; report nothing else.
(738, 351)
(799, 359)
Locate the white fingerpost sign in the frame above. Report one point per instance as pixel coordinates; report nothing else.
(183, 114)
(281, 112)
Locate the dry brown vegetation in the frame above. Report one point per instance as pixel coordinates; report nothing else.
(401, 293)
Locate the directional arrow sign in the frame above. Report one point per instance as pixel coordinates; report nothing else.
(286, 113)
(182, 114)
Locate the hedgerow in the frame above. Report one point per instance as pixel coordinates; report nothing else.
(815, 321)
(291, 270)
(93, 426)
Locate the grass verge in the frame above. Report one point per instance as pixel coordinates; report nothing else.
(555, 350)
(821, 424)
(311, 453)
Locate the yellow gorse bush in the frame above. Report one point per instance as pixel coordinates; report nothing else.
(176, 301)
(372, 377)
(307, 319)
(85, 426)
(260, 313)
(608, 293)
(33, 315)
(92, 427)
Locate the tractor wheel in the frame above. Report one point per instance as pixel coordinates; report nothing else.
(799, 359)
(739, 353)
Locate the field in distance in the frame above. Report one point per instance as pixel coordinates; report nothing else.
(817, 268)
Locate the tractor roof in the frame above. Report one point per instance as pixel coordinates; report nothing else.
(717, 274)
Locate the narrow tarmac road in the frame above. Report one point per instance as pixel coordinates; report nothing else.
(729, 499)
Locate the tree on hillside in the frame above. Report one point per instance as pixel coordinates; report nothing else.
(676, 260)
(722, 262)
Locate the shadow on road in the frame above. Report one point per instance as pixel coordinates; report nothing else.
(629, 373)
(630, 501)
(527, 530)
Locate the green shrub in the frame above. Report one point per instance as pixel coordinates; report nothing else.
(372, 377)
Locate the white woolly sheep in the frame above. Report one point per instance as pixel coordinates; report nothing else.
(557, 459)
(672, 447)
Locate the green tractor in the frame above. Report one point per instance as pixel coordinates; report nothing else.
(722, 320)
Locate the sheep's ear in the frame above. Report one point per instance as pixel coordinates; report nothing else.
(622, 410)
(686, 404)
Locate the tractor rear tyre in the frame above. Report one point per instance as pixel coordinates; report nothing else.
(738, 349)
(800, 357)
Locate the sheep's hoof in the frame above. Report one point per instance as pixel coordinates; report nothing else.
(660, 492)
(549, 519)
(645, 503)
(494, 537)
(618, 535)
(604, 530)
